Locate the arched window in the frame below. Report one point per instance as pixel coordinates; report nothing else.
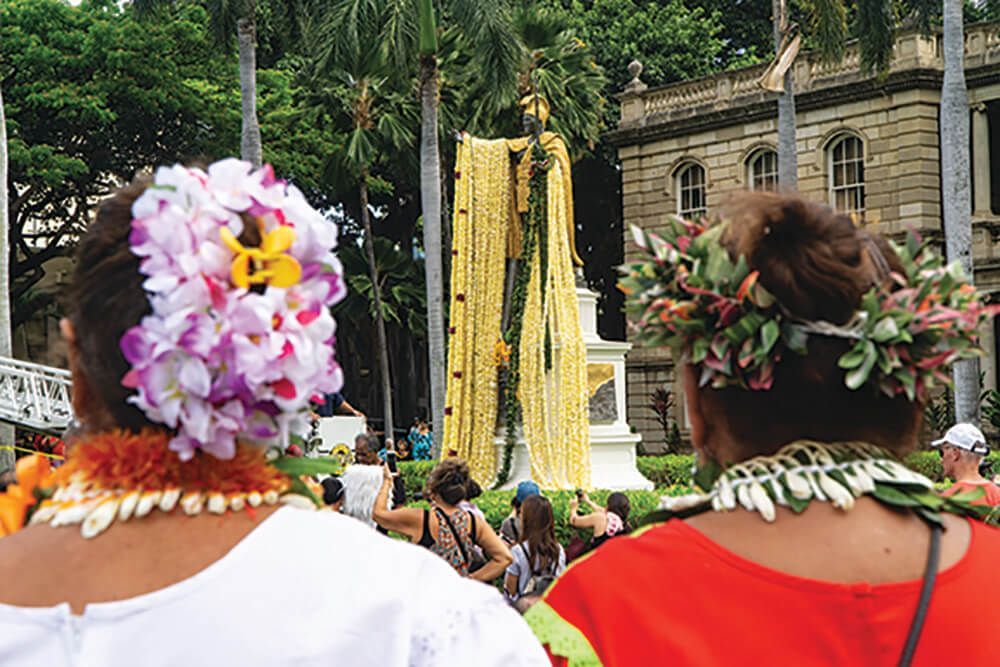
(846, 167)
(762, 170)
(690, 190)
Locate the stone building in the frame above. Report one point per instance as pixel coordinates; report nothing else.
(866, 145)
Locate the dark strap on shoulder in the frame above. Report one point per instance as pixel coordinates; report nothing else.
(454, 533)
(926, 591)
(426, 539)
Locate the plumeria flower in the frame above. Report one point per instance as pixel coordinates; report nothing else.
(216, 361)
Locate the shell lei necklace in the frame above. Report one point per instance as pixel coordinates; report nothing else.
(125, 476)
(806, 471)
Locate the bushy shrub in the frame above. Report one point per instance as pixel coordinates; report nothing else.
(496, 506)
(414, 474)
(926, 463)
(667, 470)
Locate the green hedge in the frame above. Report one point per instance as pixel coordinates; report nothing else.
(928, 463)
(667, 469)
(414, 474)
(496, 506)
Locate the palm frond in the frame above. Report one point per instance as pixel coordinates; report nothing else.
(223, 16)
(874, 26)
(827, 23)
(498, 51)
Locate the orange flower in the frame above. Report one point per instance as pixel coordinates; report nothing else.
(501, 353)
(32, 472)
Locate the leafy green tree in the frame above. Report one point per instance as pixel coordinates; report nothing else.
(93, 97)
(241, 15)
(674, 39)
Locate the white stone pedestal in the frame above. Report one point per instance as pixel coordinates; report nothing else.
(612, 443)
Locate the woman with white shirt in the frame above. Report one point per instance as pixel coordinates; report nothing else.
(198, 331)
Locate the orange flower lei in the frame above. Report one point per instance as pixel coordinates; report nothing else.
(32, 472)
(120, 475)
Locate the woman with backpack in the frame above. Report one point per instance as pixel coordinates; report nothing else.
(538, 558)
(446, 529)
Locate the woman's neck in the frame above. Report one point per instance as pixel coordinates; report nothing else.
(870, 543)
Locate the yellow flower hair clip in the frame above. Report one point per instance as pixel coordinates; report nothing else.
(271, 264)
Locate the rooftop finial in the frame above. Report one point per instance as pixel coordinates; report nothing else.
(635, 85)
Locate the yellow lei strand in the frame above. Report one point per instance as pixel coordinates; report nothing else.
(482, 211)
(555, 405)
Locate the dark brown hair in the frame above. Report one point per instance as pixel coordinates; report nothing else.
(818, 265)
(619, 504)
(539, 530)
(449, 480)
(104, 300)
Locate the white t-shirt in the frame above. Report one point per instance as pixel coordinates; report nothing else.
(521, 567)
(303, 588)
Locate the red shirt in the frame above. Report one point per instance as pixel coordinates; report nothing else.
(670, 596)
(990, 498)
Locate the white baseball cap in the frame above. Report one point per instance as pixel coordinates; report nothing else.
(964, 436)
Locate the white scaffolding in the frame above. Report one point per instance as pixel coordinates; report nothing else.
(34, 396)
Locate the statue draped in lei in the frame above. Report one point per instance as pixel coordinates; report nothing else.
(514, 201)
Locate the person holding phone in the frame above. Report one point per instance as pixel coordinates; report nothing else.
(446, 529)
(605, 522)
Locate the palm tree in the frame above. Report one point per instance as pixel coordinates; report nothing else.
(6, 432)
(955, 189)
(360, 89)
(430, 199)
(562, 69)
(788, 162)
(410, 33)
(226, 14)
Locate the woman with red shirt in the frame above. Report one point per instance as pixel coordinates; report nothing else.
(807, 348)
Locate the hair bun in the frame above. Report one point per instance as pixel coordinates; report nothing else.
(809, 257)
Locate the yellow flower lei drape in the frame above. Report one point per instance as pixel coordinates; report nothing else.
(481, 215)
(554, 403)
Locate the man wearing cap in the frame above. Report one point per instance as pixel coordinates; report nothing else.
(963, 448)
(510, 529)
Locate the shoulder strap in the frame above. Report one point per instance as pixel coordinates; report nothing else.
(454, 533)
(926, 591)
(472, 528)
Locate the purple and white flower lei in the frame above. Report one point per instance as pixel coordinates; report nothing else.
(216, 362)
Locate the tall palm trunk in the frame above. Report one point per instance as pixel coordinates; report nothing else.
(383, 345)
(430, 196)
(250, 145)
(6, 432)
(788, 163)
(955, 188)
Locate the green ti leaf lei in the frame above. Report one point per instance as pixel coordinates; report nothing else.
(534, 230)
(691, 296)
